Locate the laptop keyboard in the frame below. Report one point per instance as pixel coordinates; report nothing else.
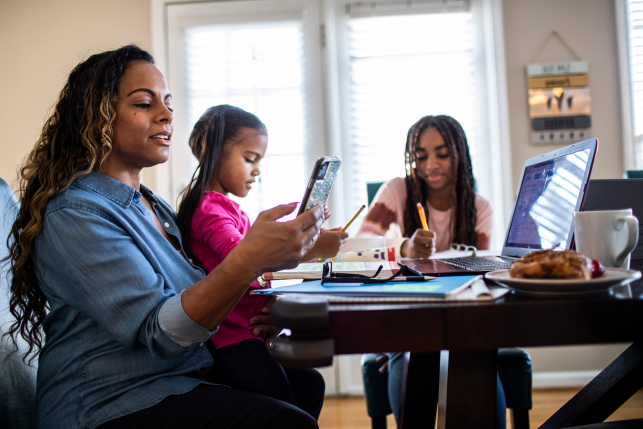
(476, 264)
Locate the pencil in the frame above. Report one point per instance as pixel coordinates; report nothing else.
(354, 217)
(422, 217)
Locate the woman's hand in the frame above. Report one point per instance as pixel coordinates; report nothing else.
(263, 323)
(271, 246)
(327, 245)
(420, 245)
(268, 246)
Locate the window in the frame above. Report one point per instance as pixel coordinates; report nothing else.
(629, 15)
(402, 67)
(222, 55)
(331, 77)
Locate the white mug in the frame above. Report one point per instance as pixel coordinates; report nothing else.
(607, 236)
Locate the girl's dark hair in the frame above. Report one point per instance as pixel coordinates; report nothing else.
(75, 139)
(463, 210)
(216, 127)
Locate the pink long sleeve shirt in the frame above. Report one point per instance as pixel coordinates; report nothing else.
(218, 226)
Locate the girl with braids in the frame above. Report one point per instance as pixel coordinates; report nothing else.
(440, 177)
(102, 288)
(229, 144)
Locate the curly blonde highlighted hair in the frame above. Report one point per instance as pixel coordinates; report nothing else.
(74, 141)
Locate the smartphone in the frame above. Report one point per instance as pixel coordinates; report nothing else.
(320, 183)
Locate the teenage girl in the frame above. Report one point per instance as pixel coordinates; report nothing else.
(229, 144)
(439, 175)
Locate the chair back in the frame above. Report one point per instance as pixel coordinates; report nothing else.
(17, 380)
(371, 190)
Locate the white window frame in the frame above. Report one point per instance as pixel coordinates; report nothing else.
(627, 120)
(493, 146)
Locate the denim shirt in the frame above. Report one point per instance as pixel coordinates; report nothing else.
(117, 339)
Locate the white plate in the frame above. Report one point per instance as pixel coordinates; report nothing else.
(571, 287)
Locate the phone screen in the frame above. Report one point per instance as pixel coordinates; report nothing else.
(323, 184)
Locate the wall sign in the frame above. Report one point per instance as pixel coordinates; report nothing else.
(559, 101)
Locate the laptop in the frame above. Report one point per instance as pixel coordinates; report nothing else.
(552, 187)
(618, 194)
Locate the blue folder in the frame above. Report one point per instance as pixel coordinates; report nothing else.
(439, 287)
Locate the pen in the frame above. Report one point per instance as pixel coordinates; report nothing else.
(422, 217)
(354, 217)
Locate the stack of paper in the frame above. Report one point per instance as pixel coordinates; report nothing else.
(313, 271)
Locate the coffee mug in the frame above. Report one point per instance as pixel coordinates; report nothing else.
(607, 236)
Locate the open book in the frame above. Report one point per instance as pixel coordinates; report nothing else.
(313, 271)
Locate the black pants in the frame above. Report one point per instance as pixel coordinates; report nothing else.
(262, 395)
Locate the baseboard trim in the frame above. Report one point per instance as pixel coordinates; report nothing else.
(563, 378)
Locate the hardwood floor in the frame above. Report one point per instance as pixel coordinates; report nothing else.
(349, 412)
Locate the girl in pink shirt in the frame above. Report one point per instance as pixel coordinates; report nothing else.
(229, 144)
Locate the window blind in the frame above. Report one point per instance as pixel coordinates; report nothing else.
(404, 67)
(258, 67)
(635, 36)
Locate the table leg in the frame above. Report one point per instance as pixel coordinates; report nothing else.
(605, 393)
(467, 389)
(418, 403)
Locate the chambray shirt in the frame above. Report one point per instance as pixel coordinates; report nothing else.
(117, 337)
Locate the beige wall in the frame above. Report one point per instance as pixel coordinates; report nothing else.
(40, 42)
(589, 28)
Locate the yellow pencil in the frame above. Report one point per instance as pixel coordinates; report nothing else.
(354, 217)
(422, 217)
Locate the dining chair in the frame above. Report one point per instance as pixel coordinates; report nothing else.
(514, 369)
(17, 380)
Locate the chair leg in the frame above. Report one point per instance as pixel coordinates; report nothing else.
(519, 419)
(378, 422)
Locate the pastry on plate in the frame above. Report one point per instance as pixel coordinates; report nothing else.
(552, 264)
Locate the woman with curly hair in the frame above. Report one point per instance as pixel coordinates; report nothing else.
(439, 176)
(102, 289)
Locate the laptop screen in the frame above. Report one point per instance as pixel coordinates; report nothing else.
(549, 195)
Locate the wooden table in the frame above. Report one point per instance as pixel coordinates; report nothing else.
(472, 333)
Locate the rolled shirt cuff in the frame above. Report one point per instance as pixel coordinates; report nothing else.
(179, 327)
(397, 243)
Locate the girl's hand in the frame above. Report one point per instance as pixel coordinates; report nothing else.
(420, 245)
(271, 246)
(263, 323)
(328, 244)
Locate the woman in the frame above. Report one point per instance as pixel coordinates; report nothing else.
(439, 175)
(98, 264)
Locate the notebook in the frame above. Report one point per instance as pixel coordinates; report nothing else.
(617, 194)
(436, 288)
(552, 187)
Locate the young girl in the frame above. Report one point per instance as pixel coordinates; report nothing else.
(440, 177)
(229, 144)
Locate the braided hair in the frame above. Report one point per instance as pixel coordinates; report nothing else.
(463, 213)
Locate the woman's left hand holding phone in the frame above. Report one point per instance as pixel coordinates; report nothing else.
(269, 245)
